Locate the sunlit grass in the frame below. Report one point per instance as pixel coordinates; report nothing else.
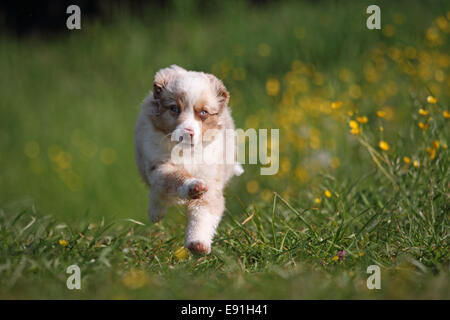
(363, 118)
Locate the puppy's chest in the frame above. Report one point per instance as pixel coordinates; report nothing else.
(208, 163)
(204, 171)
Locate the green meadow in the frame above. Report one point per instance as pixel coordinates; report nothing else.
(363, 168)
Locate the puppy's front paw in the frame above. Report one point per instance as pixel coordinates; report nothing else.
(156, 212)
(155, 216)
(199, 247)
(196, 189)
(156, 209)
(193, 188)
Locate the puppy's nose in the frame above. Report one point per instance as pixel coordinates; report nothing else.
(190, 132)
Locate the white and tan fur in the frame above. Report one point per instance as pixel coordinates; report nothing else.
(187, 104)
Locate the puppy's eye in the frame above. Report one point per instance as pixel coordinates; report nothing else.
(203, 114)
(175, 109)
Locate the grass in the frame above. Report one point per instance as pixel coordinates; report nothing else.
(66, 131)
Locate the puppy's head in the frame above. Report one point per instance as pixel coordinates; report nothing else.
(187, 103)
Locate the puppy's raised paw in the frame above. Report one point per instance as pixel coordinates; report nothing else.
(196, 189)
(199, 247)
(193, 188)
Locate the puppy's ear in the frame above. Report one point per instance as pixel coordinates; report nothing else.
(221, 92)
(157, 88)
(163, 77)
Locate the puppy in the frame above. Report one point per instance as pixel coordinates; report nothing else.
(189, 111)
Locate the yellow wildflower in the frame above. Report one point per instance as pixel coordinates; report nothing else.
(353, 124)
(431, 153)
(442, 23)
(272, 87)
(327, 193)
(336, 105)
(317, 200)
(416, 163)
(431, 100)
(266, 195)
(388, 113)
(381, 113)
(423, 126)
(388, 30)
(423, 112)
(181, 253)
(335, 258)
(446, 114)
(383, 145)
(435, 144)
(406, 160)
(63, 243)
(252, 186)
(135, 279)
(362, 119)
(355, 129)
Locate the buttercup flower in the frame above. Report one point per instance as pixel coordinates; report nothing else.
(435, 144)
(423, 112)
(63, 243)
(355, 131)
(383, 145)
(272, 86)
(354, 127)
(446, 114)
(181, 253)
(317, 200)
(381, 113)
(431, 153)
(407, 160)
(423, 126)
(416, 164)
(431, 100)
(252, 186)
(362, 119)
(353, 124)
(327, 193)
(336, 105)
(135, 279)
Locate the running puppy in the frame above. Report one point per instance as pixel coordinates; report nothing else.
(186, 110)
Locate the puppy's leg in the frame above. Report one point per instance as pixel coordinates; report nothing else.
(156, 207)
(167, 180)
(203, 216)
(171, 180)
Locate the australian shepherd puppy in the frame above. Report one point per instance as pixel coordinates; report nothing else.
(187, 113)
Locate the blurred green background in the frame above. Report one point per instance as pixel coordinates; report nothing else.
(374, 192)
(69, 100)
